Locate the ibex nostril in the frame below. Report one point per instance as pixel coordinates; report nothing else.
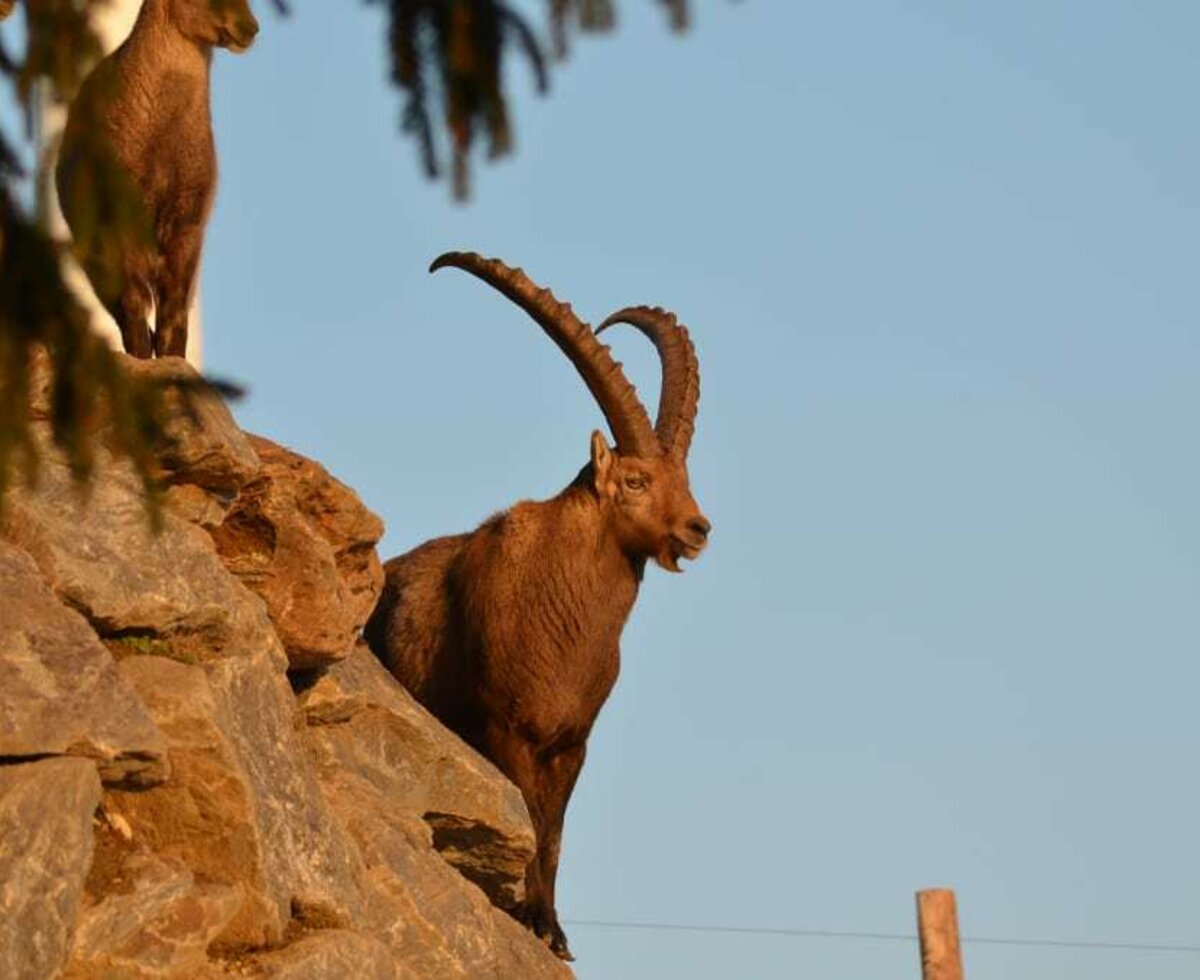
(700, 525)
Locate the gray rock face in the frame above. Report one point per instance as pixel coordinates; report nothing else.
(204, 816)
(327, 954)
(368, 735)
(439, 925)
(394, 775)
(305, 543)
(46, 812)
(316, 861)
(239, 834)
(195, 505)
(101, 557)
(204, 451)
(207, 448)
(242, 805)
(158, 926)
(60, 693)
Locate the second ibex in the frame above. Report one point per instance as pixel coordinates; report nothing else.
(510, 634)
(137, 170)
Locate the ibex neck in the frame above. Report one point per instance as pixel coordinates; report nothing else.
(585, 511)
(157, 41)
(152, 12)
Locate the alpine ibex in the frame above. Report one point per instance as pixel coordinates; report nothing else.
(137, 170)
(510, 634)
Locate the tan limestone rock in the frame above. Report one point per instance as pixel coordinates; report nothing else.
(101, 556)
(242, 805)
(60, 693)
(363, 726)
(439, 924)
(305, 543)
(46, 812)
(389, 769)
(206, 448)
(156, 927)
(327, 954)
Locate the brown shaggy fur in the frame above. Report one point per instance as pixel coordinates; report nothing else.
(511, 634)
(137, 170)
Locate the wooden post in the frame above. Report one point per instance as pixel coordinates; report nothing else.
(937, 925)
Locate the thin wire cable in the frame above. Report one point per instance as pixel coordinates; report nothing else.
(893, 936)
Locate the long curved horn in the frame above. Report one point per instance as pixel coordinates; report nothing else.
(617, 398)
(680, 395)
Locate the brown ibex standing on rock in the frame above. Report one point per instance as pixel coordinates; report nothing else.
(137, 170)
(510, 634)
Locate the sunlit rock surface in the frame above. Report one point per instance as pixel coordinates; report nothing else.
(172, 803)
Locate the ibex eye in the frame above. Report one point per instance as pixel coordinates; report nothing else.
(636, 482)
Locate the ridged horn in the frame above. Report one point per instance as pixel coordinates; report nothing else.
(617, 398)
(680, 395)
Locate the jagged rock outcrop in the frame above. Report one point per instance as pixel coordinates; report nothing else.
(243, 805)
(305, 543)
(46, 828)
(160, 923)
(333, 953)
(199, 816)
(381, 755)
(101, 556)
(60, 693)
(206, 447)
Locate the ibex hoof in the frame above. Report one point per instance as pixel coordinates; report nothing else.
(543, 923)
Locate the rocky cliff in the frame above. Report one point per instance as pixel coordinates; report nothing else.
(203, 773)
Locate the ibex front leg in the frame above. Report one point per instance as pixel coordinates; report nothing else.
(557, 781)
(520, 759)
(181, 242)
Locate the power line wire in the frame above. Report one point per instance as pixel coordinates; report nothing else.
(892, 936)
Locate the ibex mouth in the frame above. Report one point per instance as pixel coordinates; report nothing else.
(679, 548)
(238, 39)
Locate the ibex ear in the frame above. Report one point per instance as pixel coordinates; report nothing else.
(602, 461)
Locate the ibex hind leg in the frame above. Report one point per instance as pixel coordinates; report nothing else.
(181, 261)
(131, 310)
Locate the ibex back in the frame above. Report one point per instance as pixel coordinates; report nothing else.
(510, 634)
(137, 170)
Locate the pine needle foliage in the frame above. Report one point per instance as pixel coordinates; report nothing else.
(452, 52)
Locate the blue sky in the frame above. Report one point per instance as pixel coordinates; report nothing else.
(939, 263)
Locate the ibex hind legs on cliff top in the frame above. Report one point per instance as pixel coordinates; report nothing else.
(510, 634)
(137, 170)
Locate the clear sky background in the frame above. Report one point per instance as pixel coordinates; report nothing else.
(939, 261)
